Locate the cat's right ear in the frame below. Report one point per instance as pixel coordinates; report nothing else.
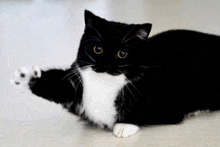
(143, 31)
(90, 18)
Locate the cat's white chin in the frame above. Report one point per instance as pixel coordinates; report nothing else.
(100, 91)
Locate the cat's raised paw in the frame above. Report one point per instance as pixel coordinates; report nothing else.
(125, 130)
(23, 75)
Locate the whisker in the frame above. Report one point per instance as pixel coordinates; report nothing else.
(127, 35)
(89, 56)
(131, 85)
(129, 39)
(129, 45)
(80, 81)
(94, 69)
(73, 72)
(95, 31)
(83, 62)
(71, 76)
(123, 92)
(94, 38)
(84, 67)
(74, 84)
(119, 71)
(134, 87)
(147, 67)
(124, 65)
(130, 90)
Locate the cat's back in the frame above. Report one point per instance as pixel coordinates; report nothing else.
(183, 46)
(185, 35)
(185, 39)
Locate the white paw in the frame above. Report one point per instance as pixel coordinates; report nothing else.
(125, 130)
(23, 75)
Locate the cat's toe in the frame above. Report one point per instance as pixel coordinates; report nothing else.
(23, 75)
(36, 71)
(125, 130)
(19, 76)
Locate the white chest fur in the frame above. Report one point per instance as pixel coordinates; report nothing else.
(99, 93)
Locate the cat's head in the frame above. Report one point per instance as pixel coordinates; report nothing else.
(110, 47)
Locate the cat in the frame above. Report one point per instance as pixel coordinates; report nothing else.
(122, 79)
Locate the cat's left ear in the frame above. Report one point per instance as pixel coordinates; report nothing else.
(143, 31)
(91, 19)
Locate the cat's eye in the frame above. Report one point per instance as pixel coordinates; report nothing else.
(122, 54)
(98, 49)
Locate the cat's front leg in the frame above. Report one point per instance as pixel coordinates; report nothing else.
(125, 130)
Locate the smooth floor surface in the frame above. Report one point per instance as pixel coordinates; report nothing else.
(47, 33)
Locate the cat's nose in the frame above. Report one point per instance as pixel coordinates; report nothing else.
(108, 66)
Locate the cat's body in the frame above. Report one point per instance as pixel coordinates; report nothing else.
(122, 80)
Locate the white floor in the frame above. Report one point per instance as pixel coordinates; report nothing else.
(47, 33)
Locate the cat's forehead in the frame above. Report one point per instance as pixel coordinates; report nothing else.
(112, 31)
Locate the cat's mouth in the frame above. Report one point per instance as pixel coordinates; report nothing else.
(113, 72)
(103, 69)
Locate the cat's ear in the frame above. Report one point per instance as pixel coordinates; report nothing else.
(90, 18)
(143, 31)
(138, 32)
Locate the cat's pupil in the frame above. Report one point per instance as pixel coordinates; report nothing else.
(122, 54)
(98, 49)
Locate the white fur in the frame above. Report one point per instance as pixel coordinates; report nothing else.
(125, 130)
(99, 93)
(28, 72)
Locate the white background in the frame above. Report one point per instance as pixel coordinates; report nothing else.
(47, 33)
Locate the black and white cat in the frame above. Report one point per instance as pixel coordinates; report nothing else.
(122, 80)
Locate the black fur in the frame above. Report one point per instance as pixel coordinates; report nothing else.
(172, 74)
